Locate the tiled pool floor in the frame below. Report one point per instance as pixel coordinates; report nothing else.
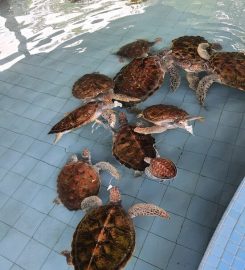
(36, 92)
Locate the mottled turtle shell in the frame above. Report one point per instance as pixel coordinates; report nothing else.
(161, 112)
(76, 118)
(230, 66)
(91, 85)
(130, 148)
(104, 239)
(76, 181)
(140, 78)
(184, 50)
(163, 168)
(135, 49)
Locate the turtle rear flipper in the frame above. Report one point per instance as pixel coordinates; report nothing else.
(147, 209)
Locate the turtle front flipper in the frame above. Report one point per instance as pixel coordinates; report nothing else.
(125, 98)
(204, 85)
(106, 166)
(193, 80)
(154, 129)
(174, 77)
(147, 209)
(90, 203)
(68, 256)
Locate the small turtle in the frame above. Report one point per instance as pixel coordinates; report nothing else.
(183, 52)
(225, 67)
(105, 237)
(138, 48)
(143, 76)
(137, 151)
(86, 114)
(165, 117)
(80, 179)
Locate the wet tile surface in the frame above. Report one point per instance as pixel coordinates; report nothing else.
(34, 95)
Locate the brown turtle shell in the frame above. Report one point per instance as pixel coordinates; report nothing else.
(76, 118)
(76, 181)
(161, 112)
(163, 168)
(140, 78)
(130, 148)
(184, 50)
(104, 239)
(135, 49)
(91, 85)
(230, 66)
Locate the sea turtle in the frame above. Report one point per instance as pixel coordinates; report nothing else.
(224, 67)
(165, 117)
(183, 52)
(86, 114)
(138, 48)
(143, 76)
(137, 151)
(95, 85)
(105, 237)
(79, 179)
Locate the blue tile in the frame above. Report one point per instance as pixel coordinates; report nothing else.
(64, 242)
(156, 256)
(221, 150)
(191, 161)
(32, 111)
(24, 165)
(184, 258)
(10, 183)
(185, 181)
(176, 201)
(194, 236)
(16, 267)
(8, 138)
(211, 114)
(34, 130)
(12, 244)
(198, 144)
(11, 211)
(168, 151)
(232, 248)
(215, 168)
(176, 137)
(29, 221)
(232, 119)
(61, 213)
(234, 105)
(38, 149)
(238, 264)
(41, 172)
(238, 154)
(43, 200)
(227, 194)
(21, 125)
(240, 138)
(208, 188)
(206, 130)
(223, 266)
(33, 256)
(9, 158)
(45, 116)
(2, 173)
(49, 231)
(168, 229)
(55, 156)
(4, 228)
(55, 261)
(27, 187)
(227, 257)
(3, 198)
(140, 240)
(236, 173)
(226, 134)
(141, 265)
(5, 264)
(22, 143)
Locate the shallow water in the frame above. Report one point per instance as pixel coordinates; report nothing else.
(46, 46)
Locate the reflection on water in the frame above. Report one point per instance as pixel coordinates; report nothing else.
(35, 26)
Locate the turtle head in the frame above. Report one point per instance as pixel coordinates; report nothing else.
(86, 155)
(115, 196)
(122, 119)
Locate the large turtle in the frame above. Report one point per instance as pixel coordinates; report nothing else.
(165, 117)
(137, 151)
(183, 52)
(225, 67)
(93, 85)
(143, 76)
(105, 238)
(138, 48)
(79, 179)
(85, 114)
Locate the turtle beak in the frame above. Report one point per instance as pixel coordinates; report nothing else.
(117, 104)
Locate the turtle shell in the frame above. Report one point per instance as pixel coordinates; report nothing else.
(184, 50)
(163, 168)
(135, 49)
(91, 85)
(78, 117)
(104, 239)
(130, 148)
(164, 113)
(76, 181)
(140, 78)
(230, 66)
